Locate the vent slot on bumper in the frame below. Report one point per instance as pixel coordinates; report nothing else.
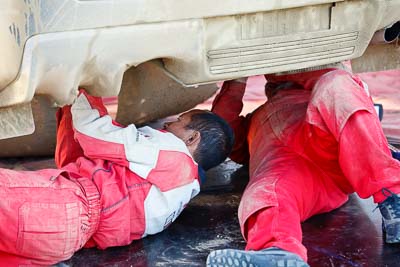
(282, 40)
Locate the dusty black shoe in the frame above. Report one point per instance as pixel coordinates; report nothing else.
(271, 257)
(390, 210)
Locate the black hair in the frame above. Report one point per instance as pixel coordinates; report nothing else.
(216, 139)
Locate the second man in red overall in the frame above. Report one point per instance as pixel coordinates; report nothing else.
(315, 141)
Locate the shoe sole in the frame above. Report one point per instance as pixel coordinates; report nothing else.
(228, 257)
(392, 232)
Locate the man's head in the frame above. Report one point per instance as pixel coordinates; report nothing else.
(208, 137)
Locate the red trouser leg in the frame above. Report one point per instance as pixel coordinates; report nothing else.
(262, 232)
(365, 158)
(43, 216)
(67, 148)
(299, 190)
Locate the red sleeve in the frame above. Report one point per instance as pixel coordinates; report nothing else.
(228, 104)
(67, 148)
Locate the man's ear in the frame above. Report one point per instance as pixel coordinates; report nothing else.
(193, 139)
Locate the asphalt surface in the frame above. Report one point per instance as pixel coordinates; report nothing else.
(348, 236)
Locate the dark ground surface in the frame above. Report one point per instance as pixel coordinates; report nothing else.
(348, 236)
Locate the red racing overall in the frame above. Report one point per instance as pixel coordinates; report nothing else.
(314, 142)
(115, 184)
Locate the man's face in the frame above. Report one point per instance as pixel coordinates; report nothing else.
(178, 127)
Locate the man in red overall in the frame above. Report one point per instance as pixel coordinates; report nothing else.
(315, 141)
(114, 184)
